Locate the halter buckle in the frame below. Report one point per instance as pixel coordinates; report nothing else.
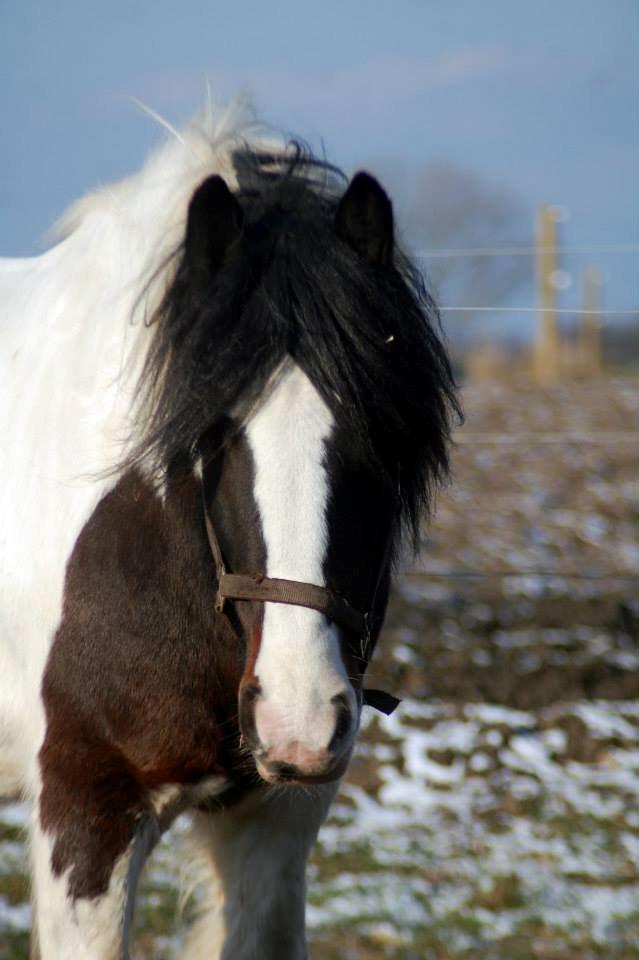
(219, 602)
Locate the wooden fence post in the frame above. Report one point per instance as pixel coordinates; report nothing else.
(546, 360)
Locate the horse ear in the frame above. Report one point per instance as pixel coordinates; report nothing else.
(364, 220)
(214, 223)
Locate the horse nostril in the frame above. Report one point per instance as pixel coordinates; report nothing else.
(343, 721)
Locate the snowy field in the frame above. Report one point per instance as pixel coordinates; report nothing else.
(496, 814)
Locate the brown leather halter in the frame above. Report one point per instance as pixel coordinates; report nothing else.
(242, 586)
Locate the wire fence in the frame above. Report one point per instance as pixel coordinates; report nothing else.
(530, 437)
(574, 311)
(436, 253)
(518, 574)
(465, 438)
(442, 253)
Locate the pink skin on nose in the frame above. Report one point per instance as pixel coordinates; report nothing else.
(278, 735)
(298, 756)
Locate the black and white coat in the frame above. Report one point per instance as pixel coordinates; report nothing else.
(229, 329)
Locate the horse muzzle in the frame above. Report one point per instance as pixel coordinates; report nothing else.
(283, 753)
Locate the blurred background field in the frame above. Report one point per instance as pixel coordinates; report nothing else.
(496, 814)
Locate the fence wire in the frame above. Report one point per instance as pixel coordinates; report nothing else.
(531, 437)
(575, 311)
(518, 574)
(436, 253)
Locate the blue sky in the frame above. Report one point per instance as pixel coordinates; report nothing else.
(540, 97)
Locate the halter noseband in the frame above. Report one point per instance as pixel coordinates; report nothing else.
(242, 586)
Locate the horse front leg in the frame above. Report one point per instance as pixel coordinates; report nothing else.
(88, 847)
(256, 854)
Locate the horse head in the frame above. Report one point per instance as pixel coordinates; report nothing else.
(295, 362)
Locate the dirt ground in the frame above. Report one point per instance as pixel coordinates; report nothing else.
(515, 640)
(525, 501)
(495, 816)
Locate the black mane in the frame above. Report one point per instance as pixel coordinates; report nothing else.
(365, 335)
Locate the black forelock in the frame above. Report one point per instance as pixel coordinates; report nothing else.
(366, 336)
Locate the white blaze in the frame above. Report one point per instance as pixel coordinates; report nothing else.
(299, 666)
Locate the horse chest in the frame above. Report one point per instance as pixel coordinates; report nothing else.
(138, 672)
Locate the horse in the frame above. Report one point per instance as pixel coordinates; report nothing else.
(225, 403)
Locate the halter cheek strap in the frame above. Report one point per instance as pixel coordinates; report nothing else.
(240, 586)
